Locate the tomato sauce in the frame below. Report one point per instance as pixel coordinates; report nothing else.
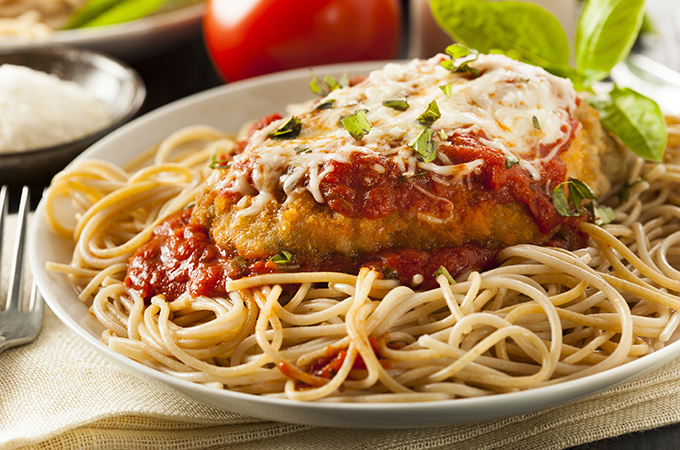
(356, 189)
(181, 257)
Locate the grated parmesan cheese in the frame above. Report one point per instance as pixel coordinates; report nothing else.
(40, 110)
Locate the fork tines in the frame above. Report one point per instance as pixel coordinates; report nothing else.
(17, 327)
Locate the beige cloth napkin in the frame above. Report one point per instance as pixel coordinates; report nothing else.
(59, 393)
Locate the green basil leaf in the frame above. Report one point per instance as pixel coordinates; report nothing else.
(578, 191)
(636, 120)
(357, 124)
(429, 116)
(443, 271)
(399, 104)
(537, 125)
(525, 28)
(561, 202)
(447, 89)
(282, 258)
(605, 33)
(457, 51)
(602, 214)
(328, 104)
(324, 87)
(289, 130)
(510, 160)
(424, 145)
(583, 189)
(218, 163)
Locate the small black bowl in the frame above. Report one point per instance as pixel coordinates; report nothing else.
(108, 79)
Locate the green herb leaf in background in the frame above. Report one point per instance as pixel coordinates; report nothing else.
(535, 34)
(97, 13)
(605, 33)
(636, 120)
(90, 11)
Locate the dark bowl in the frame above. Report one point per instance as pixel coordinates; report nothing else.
(109, 80)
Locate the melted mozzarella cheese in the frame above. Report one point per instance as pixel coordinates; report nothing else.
(515, 108)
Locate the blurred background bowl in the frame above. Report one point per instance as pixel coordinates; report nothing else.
(111, 81)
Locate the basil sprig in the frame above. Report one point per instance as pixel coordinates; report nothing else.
(605, 33)
(579, 191)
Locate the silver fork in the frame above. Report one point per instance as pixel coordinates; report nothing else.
(18, 327)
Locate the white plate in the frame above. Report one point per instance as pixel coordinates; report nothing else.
(227, 108)
(129, 40)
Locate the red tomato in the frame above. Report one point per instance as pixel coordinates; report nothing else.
(246, 38)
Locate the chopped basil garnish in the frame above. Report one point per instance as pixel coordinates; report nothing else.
(357, 124)
(442, 135)
(430, 116)
(537, 125)
(447, 89)
(424, 145)
(601, 214)
(399, 104)
(328, 104)
(578, 191)
(510, 160)
(324, 87)
(443, 271)
(219, 163)
(191, 204)
(303, 148)
(289, 130)
(457, 51)
(282, 258)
